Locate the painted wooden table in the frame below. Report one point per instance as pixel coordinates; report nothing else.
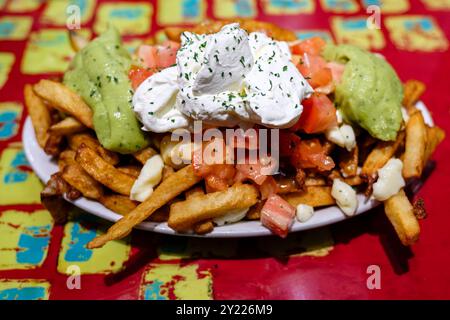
(327, 263)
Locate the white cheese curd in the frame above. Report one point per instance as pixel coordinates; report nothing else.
(390, 180)
(149, 177)
(343, 136)
(231, 217)
(304, 212)
(224, 79)
(345, 197)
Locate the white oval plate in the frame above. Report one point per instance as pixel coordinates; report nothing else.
(44, 167)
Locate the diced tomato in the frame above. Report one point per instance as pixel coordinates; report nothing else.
(310, 154)
(277, 215)
(220, 176)
(167, 54)
(137, 75)
(158, 56)
(312, 46)
(252, 172)
(315, 70)
(288, 142)
(318, 114)
(337, 69)
(268, 188)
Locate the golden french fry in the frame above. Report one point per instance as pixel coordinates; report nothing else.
(67, 126)
(315, 181)
(383, 151)
(54, 145)
(77, 41)
(143, 155)
(160, 215)
(204, 227)
(167, 190)
(349, 162)
(185, 214)
(131, 170)
(435, 135)
(65, 100)
(39, 114)
(167, 171)
(415, 145)
(74, 175)
(104, 172)
(412, 91)
(65, 158)
(76, 140)
(315, 196)
(193, 192)
(118, 203)
(400, 213)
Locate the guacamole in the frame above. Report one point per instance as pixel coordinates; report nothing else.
(370, 92)
(98, 74)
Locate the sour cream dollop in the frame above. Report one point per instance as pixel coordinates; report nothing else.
(224, 79)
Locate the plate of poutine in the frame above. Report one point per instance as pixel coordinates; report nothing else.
(117, 135)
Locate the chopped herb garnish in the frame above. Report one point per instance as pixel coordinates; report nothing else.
(285, 68)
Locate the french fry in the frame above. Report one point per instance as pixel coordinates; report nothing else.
(39, 114)
(160, 215)
(435, 135)
(131, 170)
(167, 171)
(400, 213)
(67, 126)
(65, 158)
(103, 171)
(204, 227)
(167, 190)
(76, 140)
(52, 198)
(185, 214)
(74, 175)
(194, 192)
(415, 145)
(315, 196)
(349, 162)
(54, 145)
(118, 203)
(143, 155)
(315, 181)
(412, 91)
(383, 151)
(77, 41)
(64, 99)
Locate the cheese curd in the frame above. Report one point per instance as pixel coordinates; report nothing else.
(304, 212)
(343, 136)
(231, 217)
(149, 177)
(390, 180)
(345, 197)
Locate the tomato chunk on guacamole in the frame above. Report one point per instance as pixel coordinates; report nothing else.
(369, 93)
(99, 75)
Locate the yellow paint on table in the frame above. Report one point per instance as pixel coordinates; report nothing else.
(24, 239)
(340, 6)
(288, 7)
(24, 289)
(228, 9)
(128, 18)
(354, 31)
(18, 183)
(186, 283)
(15, 27)
(388, 6)
(48, 50)
(437, 4)
(416, 33)
(58, 12)
(23, 5)
(172, 12)
(82, 228)
(6, 62)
